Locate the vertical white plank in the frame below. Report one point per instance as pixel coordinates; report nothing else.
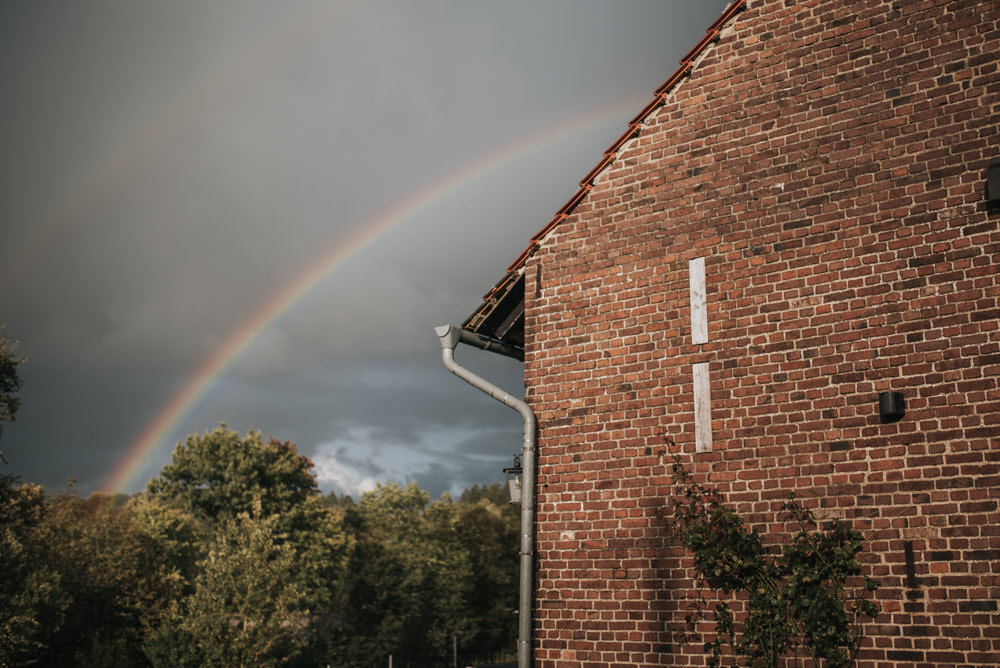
(699, 307)
(702, 408)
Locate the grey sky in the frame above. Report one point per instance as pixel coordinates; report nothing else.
(168, 167)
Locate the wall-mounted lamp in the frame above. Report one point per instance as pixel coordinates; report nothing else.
(891, 406)
(993, 185)
(513, 476)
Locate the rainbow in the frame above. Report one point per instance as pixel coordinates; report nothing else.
(138, 457)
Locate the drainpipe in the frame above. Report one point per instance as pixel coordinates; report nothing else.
(450, 337)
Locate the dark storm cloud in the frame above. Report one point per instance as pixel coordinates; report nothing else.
(169, 167)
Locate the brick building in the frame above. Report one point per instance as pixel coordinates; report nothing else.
(797, 222)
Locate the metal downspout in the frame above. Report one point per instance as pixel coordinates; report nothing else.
(450, 336)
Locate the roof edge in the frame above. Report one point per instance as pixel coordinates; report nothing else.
(659, 98)
(516, 269)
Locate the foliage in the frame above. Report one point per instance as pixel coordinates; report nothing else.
(31, 601)
(180, 537)
(233, 558)
(408, 578)
(808, 594)
(10, 381)
(116, 578)
(246, 609)
(426, 574)
(489, 528)
(217, 478)
(217, 475)
(82, 579)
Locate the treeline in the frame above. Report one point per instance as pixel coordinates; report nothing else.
(232, 557)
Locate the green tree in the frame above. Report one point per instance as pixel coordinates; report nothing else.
(182, 538)
(115, 576)
(376, 593)
(410, 582)
(489, 529)
(218, 475)
(31, 599)
(445, 582)
(247, 608)
(10, 381)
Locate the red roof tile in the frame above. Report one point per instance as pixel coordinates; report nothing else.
(669, 84)
(693, 53)
(559, 217)
(589, 178)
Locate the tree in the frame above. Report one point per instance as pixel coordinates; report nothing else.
(377, 593)
(116, 577)
(31, 599)
(218, 475)
(82, 580)
(426, 574)
(10, 381)
(808, 593)
(218, 478)
(182, 538)
(247, 608)
(489, 528)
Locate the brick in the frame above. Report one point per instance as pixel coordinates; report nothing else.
(977, 606)
(827, 160)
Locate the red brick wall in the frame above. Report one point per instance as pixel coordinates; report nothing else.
(828, 160)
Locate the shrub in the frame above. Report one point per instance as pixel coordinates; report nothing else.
(807, 593)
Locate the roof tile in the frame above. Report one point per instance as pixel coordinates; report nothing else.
(589, 178)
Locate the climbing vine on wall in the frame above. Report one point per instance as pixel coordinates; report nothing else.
(806, 594)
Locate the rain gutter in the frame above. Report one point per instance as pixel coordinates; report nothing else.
(450, 337)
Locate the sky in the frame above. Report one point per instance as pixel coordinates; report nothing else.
(255, 213)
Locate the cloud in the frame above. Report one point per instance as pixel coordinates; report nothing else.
(170, 167)
(439, 459)
(334, 475)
